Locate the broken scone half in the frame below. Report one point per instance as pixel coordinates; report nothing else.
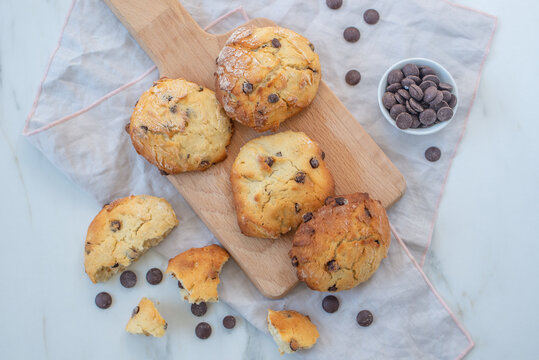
(197, 271)
(124, 230)
(291, 330)
(146, 320)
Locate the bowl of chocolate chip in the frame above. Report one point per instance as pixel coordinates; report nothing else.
(418, 96)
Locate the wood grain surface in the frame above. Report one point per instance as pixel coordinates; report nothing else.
(180, 48)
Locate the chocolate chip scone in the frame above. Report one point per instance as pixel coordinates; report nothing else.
(266, 75)
(197, 271)
(291, 330)
(342, 244)
(124, 230)
(145, 319)
(180, 126)
(277, 180)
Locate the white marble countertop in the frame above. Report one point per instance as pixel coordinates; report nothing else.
(483, 258)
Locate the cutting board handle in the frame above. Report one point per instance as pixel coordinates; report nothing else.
(160, 28)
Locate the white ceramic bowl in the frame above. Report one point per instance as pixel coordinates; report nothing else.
(444, 76)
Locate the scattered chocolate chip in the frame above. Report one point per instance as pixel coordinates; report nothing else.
(269, 161)
(364, 318)
(445, 113)
(323, 156)
(394, 87)
(115, 225)
(295, 261)
(353, 77)
(410, 70)
(247, 87)
(433, 154)
(426, 84)
(162, 172)
(332, 265)
(273, 98)
(128, 279)
(404, 121)
(388, 100)
(395, 76)
(332, 288)
(103, 300)
(203, 330)
(427, 117)
(330, 304)
(229, 322)
(341, 201)
(435, 79)
(300, 177)
(135, 311)
(312, 48)
(154, 276)
(276, 43)
(396, 110)
(144, 128)
(204, 163)
(416, 92)
(430, 94)
(351, 34)
(307, 217)
(445, 86)
(297, 207)
(173, 109)
(453, 102)
(371, 16)
(334, 4)
(199, 309)
(314, 163)
(180, 284)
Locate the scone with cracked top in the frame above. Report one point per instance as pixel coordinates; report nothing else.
(124, 230)
(291, 330)
(277, 180)
(342, 244)
(266, 75)
(180, 126)
(145, 319)
(197, 271)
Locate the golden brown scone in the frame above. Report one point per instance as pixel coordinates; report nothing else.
(124, 230)
(197, 270)
(266, 75)
(291, 330)
(180, 126)
(276, 180)
(145, 319)
(343, 243)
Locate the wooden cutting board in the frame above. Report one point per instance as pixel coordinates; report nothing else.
(180, 48)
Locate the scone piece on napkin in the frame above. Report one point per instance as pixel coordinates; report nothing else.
(146, 320)
(291, 330)
(123, 231)
(197, 271)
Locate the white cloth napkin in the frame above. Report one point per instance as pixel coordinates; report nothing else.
(98, 72)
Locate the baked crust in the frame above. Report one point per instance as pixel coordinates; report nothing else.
(291, 330)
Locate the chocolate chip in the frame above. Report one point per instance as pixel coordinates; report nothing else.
(330, 304)
(323, 156)
(426, 84)
(447, 95)
(115, 225)
(396, 110)
(439, 97)
(388, 100)
(314, 163)
(332, 265)
(247, 87)
(135, 311)
(279, 154)
(200, 89)
(410, 70)
(297, 207)
(367, 212)
(407, 81)
(417, 79)
(332, 288)
(404, 120)
(229, 322)
(276, 43)
(341, 201)
(394, 87)
(371, 16)
(300, 177)
(433, 154)
(180, 284)
(364, 318)
(334, 4)
(103, 300)
(399, 98)
(307, 217)
(427, 117)
(353, 77)
(115, 265)
(162, 172)
(204, 163)
(445, 86)
(312, 48)
(144, 128)
(199, 309)
(269, 161)
(203, 330)
(445, 113)
(126, 128)
(415, 122)
(409, 108)
(405, 94)
(395, 76)
(430, 94)
(416, 92)
(295, 261)
(128, 279)
(435, 79)
(416, 106)
(273, 98)
(173, 109)
(154, 276)
(425, 70)
(294, 346)
(453, 102)
(165, 326)
(438, 106)
(351, 34)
